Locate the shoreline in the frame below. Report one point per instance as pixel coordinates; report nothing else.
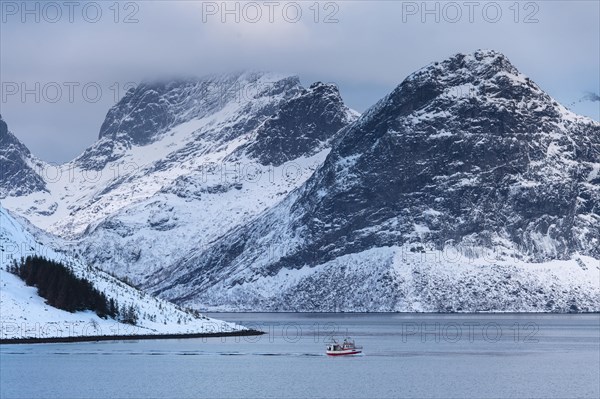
(97, 338)
(399, 313)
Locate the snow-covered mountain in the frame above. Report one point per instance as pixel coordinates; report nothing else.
(466, 188)
(24, 314)
(179, 164)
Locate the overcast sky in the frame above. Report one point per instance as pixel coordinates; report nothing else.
(367, 48)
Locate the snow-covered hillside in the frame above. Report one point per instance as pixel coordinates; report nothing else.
(24, 314)
(407, 279)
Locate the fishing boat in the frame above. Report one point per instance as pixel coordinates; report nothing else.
(348, 347)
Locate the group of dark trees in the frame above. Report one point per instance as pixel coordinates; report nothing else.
(64, 290)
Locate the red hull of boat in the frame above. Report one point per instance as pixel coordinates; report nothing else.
(344, 353)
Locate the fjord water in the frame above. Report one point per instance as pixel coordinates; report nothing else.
(405, 355)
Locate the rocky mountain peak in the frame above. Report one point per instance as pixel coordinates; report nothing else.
(152, 107)
(482, 64)
(302, 126)
(474, 142)
(17, 174)
(3, 127)
(483, 89)
(325, 88)
(8, 139)
(239, 102)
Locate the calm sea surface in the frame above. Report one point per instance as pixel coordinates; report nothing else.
(405, 356)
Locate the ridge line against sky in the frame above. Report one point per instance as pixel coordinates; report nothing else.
(367, 48)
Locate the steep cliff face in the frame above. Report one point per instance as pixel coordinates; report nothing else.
(467, 154)
(468, 149)
(301, 127)
(18, 175)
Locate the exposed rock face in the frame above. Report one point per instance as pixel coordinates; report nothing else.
(301, 127)
(465, 149)
(17, 173)
(147, 112)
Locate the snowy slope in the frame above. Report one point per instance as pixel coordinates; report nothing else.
(403, 279)
(24, 314)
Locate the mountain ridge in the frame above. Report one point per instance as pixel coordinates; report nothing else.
(288, 202)
(425, 169)
(215, 168)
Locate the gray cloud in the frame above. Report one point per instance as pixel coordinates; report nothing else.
(371, 48)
